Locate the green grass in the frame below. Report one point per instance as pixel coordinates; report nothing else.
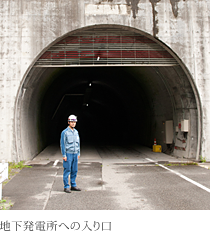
(5, 205)
(203, 159)
(182, 164)
(14, 168)
(20, 165)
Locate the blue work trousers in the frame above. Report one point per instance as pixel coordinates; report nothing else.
(70, 167)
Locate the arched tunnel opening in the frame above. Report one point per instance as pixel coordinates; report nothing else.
(114, 105)
(124, 87)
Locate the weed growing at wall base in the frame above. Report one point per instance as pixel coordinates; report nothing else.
(15, 168)
(5, 205)
(203, 159)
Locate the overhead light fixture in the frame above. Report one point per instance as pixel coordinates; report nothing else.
(90, 84)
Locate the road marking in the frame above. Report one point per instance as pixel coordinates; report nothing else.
(150, 160)
(55, 163)
(182, 176)
(51, 188)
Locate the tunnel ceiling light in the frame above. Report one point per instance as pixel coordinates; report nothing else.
(87, 104)
(90, 84)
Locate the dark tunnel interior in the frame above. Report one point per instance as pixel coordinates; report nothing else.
(111, 105)
(115, 105)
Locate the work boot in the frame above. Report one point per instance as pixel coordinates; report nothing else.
(67, 190)
(75, 189)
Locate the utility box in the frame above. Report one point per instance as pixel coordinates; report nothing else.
(169, 131)
(157, 148)
(185, 126)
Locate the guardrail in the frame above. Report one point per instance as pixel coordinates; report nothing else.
(3, 175)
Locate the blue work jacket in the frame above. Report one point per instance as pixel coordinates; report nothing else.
(70, 142)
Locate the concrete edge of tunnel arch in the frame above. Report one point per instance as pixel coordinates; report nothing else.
(196, 94)
(20, 92)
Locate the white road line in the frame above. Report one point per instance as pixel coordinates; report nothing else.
(55, 163)
(51, 187)
(182, 176)
(150, 160)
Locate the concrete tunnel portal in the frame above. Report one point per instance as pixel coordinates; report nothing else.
(126, 103)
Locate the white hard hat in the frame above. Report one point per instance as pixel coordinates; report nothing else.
(72, 118)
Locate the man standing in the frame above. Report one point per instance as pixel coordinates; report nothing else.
(70, 148)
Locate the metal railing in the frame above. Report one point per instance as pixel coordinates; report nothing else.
(106, 48)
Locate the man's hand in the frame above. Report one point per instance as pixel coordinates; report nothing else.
(78, 157)
(65, 158)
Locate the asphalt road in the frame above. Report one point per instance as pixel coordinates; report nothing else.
(112, 178)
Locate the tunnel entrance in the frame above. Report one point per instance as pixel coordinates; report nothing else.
(109, 102)
(122, 85)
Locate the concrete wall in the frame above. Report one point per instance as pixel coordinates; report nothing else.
(29, 26)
